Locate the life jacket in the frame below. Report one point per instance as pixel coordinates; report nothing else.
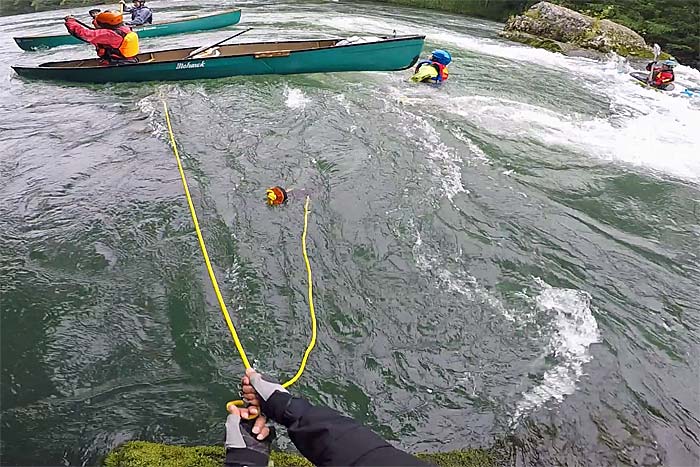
(441, 69)
(664, 77)
(129, 47)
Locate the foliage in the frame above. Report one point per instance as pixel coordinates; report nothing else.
(673, 24)
(143, 454)
(498, 10)
(13, 7)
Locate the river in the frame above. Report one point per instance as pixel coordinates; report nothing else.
(511, 256)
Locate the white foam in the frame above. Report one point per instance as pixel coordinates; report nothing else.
(661, 139)
(147, 105)
(573, 326)
(512, 51)
(459, 282)
(295, 98)
(575, 329)
(446, 164)
(654, 130)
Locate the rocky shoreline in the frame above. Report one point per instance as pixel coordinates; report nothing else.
(559, 29)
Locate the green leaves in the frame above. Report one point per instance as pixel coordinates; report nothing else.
(13, 7)
(671, 23)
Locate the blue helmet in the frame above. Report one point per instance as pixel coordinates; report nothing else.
(443, 57)
(669, 63)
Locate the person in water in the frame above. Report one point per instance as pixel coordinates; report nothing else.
(662, 74)
(140, 13)
(433, 70)
(322, 435)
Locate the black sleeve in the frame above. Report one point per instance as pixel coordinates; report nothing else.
(256, 453)
(245, 458)
(327, 438)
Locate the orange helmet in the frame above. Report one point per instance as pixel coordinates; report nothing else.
(110, 18)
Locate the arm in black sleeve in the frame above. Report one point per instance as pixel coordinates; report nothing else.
(327, 438)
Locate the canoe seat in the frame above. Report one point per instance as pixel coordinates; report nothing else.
(213, 52)
(276, 53)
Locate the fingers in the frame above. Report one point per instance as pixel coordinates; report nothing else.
(260, 428)
(249, 394)
(252, 401)
(248, 413)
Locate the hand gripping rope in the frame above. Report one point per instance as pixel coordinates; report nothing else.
(215, 284)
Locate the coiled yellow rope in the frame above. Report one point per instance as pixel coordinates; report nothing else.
(215, 284)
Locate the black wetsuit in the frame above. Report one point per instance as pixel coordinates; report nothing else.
(327, 438)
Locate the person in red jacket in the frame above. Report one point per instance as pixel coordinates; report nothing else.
(662, 74)
(114, 42)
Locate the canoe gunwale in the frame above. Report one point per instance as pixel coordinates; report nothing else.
(57, 65)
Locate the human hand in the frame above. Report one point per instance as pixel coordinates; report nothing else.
(255, 388)
(240, 425)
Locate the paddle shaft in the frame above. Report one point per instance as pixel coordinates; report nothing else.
(82, 24)
(657, 51)
(207, 47)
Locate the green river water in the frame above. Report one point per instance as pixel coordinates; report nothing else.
(513, 255)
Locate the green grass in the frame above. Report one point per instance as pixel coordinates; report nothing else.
(145, 454)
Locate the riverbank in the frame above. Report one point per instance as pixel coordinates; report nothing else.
(671, 25)
(141, 453)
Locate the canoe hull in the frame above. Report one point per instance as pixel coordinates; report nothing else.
(389, 55)
(203, 23)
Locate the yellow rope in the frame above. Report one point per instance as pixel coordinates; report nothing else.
(312, 312)
(212, 277)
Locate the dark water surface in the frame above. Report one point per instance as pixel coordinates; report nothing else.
(515, 253)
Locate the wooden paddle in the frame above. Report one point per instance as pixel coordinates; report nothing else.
(207, 47)
(657, 52)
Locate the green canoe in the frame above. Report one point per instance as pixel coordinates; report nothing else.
(197, 23)
(262, 58)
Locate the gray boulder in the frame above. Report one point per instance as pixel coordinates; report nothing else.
(560, 29)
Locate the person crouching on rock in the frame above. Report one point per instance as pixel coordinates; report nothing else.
(114, 42)
(662, 74)
(434, 70)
